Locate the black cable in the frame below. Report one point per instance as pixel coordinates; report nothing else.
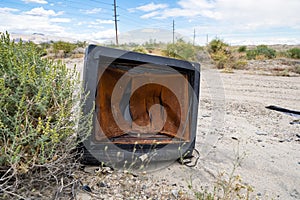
(187, 162)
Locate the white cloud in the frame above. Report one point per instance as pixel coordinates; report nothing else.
(47, 22)
(60, 20)
(40, 11)
(97, 24)
(236, 20)
(100, 21)
(92, 11)
(260, 14)
(8, 10)
(99, 36)
(151, 7)
(187, 8)
(195, 4)
(35, 1)
(27, 24)
(246, 14)
(149, 15)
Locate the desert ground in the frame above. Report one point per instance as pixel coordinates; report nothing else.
(233, 125)
(238, 124)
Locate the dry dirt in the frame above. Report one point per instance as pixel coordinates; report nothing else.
(238, 123)
(233, 122)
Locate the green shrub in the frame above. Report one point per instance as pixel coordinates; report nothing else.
(182, 50)
(140, 49)
(242, 49)
(251, 54)
(240, 64)
(216, 45)
(221, 54)
(66, 47)
(266, 51)
(83, 44)
(221, 59)
(294, 53)
(38, 113)
(282, 54)
(261, 51)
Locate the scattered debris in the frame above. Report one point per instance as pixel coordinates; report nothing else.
(175, 193)
(102, 184)
(297, 121)
(86, 188)
(295, 194)
(285, 111)
(234, 138)
(260, 133)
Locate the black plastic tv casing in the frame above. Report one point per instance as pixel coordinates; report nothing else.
(95, 152)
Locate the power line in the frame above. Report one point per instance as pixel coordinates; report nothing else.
(102, 2)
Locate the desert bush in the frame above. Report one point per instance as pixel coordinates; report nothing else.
(242, 49)
(217, 45)
(251, 54)
(294, 53)
(140, 49)
(239, 64)
(282, 54)
(65, 47)
(261, 51)
(221, 54)
(266, 51)
(45, 45)
(221, 59)
(182, 50)
(81, 44)
(39, 115)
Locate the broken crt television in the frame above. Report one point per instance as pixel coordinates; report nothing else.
(144, 106)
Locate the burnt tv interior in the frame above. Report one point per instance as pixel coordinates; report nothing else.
(141, 99)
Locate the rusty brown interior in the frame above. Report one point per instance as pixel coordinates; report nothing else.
(158, 107)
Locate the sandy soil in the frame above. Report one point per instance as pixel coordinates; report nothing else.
(233, 121)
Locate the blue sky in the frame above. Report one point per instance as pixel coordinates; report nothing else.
(234, 21)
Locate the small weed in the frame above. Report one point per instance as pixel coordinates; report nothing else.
(227, 186)
(296, 69)
(227, 70)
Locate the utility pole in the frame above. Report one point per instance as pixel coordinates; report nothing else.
(116, 22)
(194, 37)
(173, 30)
(206, 38)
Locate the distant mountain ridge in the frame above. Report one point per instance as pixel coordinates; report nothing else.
(42, 38)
